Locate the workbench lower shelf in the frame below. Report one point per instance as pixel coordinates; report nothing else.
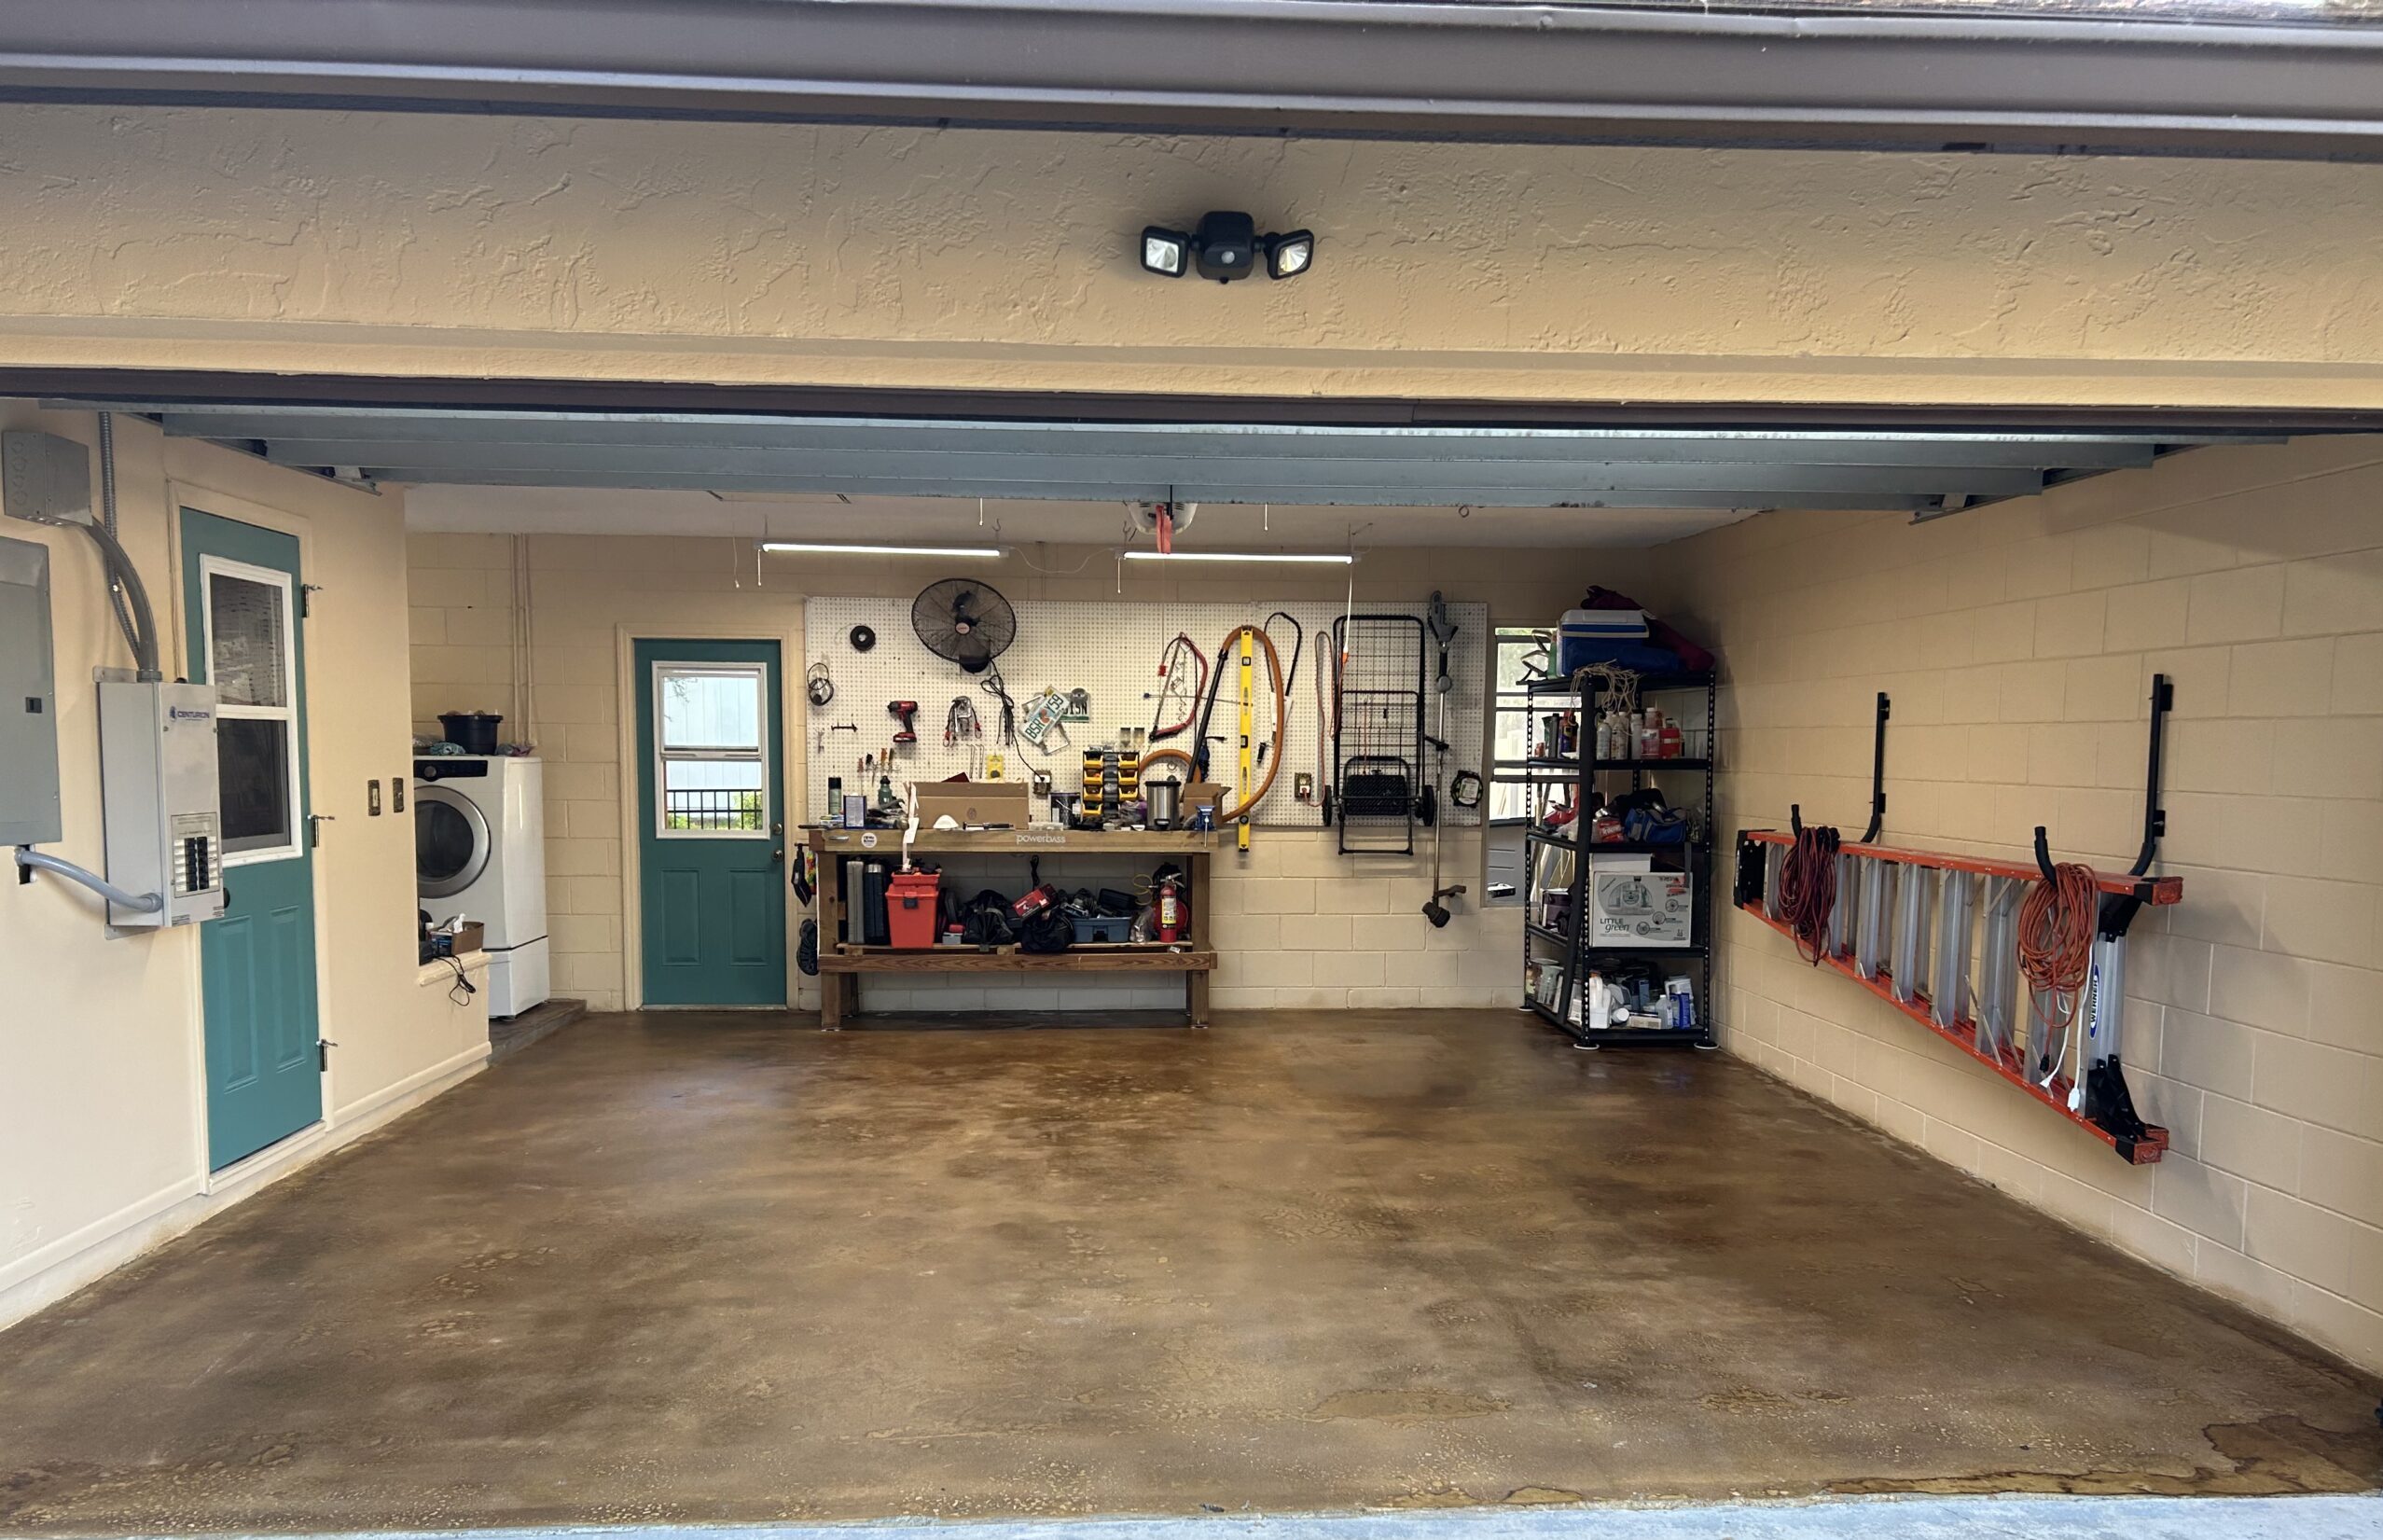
(841, 970)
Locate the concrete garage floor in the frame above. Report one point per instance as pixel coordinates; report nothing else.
(697, 1268)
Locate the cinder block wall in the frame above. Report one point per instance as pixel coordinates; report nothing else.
(2018, 641)
(1300, 925)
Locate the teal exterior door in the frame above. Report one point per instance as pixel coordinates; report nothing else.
(241, 594)
(711, 821)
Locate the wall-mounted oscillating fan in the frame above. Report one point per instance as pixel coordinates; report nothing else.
(964, 621)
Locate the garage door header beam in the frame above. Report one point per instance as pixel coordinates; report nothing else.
(1496, 72)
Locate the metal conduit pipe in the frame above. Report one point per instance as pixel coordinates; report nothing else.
(108, 519)
(141, 629)
(143, 902)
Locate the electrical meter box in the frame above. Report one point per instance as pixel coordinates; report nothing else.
(158, 797)
(29, 811)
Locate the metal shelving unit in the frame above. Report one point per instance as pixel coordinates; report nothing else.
(1566, 948)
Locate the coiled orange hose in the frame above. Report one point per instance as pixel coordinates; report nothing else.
(1282, 715)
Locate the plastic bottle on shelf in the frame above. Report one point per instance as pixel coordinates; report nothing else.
(1669, 745)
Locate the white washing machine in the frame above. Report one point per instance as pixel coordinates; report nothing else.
(479, 852)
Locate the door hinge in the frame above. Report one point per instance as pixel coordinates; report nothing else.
(306, 593)
(314, 822)
(322, 1046)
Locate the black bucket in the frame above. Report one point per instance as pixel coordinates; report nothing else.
(474, 731)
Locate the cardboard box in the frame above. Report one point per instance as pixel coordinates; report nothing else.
(975, 803)
(1640, 908)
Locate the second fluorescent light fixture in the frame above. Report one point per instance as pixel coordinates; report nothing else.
(1328, 558)
(814, 549)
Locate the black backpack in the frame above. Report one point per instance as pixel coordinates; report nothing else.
(984, 921)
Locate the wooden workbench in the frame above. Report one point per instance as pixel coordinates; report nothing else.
(841, 964)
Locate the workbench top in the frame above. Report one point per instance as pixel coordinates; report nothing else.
(1027, 841)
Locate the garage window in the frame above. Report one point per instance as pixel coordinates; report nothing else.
(712, 760)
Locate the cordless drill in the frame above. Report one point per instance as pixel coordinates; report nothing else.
(906, 711)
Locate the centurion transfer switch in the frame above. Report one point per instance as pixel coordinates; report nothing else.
(159, 796)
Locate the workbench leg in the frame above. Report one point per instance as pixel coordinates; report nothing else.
(831, 1000)
(1196, 997)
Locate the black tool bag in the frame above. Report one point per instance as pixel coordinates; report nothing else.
(984, 921)
(1047, 930)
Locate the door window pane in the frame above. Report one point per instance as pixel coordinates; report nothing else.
(248, 640)
(251, 758)
(712, 708)
(712, 794)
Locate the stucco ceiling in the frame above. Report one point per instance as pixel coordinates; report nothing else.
(555, 510)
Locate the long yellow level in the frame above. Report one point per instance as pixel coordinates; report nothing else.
(1249, 711)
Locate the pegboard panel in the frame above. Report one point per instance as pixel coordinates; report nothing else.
(1112, 651)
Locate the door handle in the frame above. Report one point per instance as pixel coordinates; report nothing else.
(777, 856)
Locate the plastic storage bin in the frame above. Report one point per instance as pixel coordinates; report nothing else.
(1102, 927)
(911, 904)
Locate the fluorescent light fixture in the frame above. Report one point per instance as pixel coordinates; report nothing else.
(811, 548)
(1327, 558)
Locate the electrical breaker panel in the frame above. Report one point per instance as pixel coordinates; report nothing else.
(159, 796)
(28, 807)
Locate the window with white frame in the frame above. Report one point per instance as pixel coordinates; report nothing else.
(252, 661)
(711, 750)
(1514, 785)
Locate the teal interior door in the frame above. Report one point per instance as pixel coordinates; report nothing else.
(712, 846)
(240, 589)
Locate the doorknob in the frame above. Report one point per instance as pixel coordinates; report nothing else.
(777, 856)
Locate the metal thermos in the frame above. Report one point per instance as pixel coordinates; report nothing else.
(1166, 798)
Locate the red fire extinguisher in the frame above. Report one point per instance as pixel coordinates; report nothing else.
(1174, 918)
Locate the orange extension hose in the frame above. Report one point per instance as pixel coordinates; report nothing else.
(1281, 716)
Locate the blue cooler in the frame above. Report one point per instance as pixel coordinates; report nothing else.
(1593, 636)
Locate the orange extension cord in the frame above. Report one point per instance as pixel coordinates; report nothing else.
(1807, 890)
(2056, 950)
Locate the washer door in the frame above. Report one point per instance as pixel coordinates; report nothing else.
(451, 844)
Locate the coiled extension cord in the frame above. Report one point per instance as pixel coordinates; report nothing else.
(2056, 954)
(1808, 889)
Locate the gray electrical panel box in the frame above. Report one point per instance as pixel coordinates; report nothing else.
(28, 698)
(159, 796)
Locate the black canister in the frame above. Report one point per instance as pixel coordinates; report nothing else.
(473, 732)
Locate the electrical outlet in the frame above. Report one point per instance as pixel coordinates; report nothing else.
(372, 798)
(1303, 786)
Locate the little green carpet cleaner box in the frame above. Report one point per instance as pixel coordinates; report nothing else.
(1640, 908)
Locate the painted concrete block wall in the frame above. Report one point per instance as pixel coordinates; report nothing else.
(102, 1134)
(412, 243)
(2017, 643)
(1291, 903)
